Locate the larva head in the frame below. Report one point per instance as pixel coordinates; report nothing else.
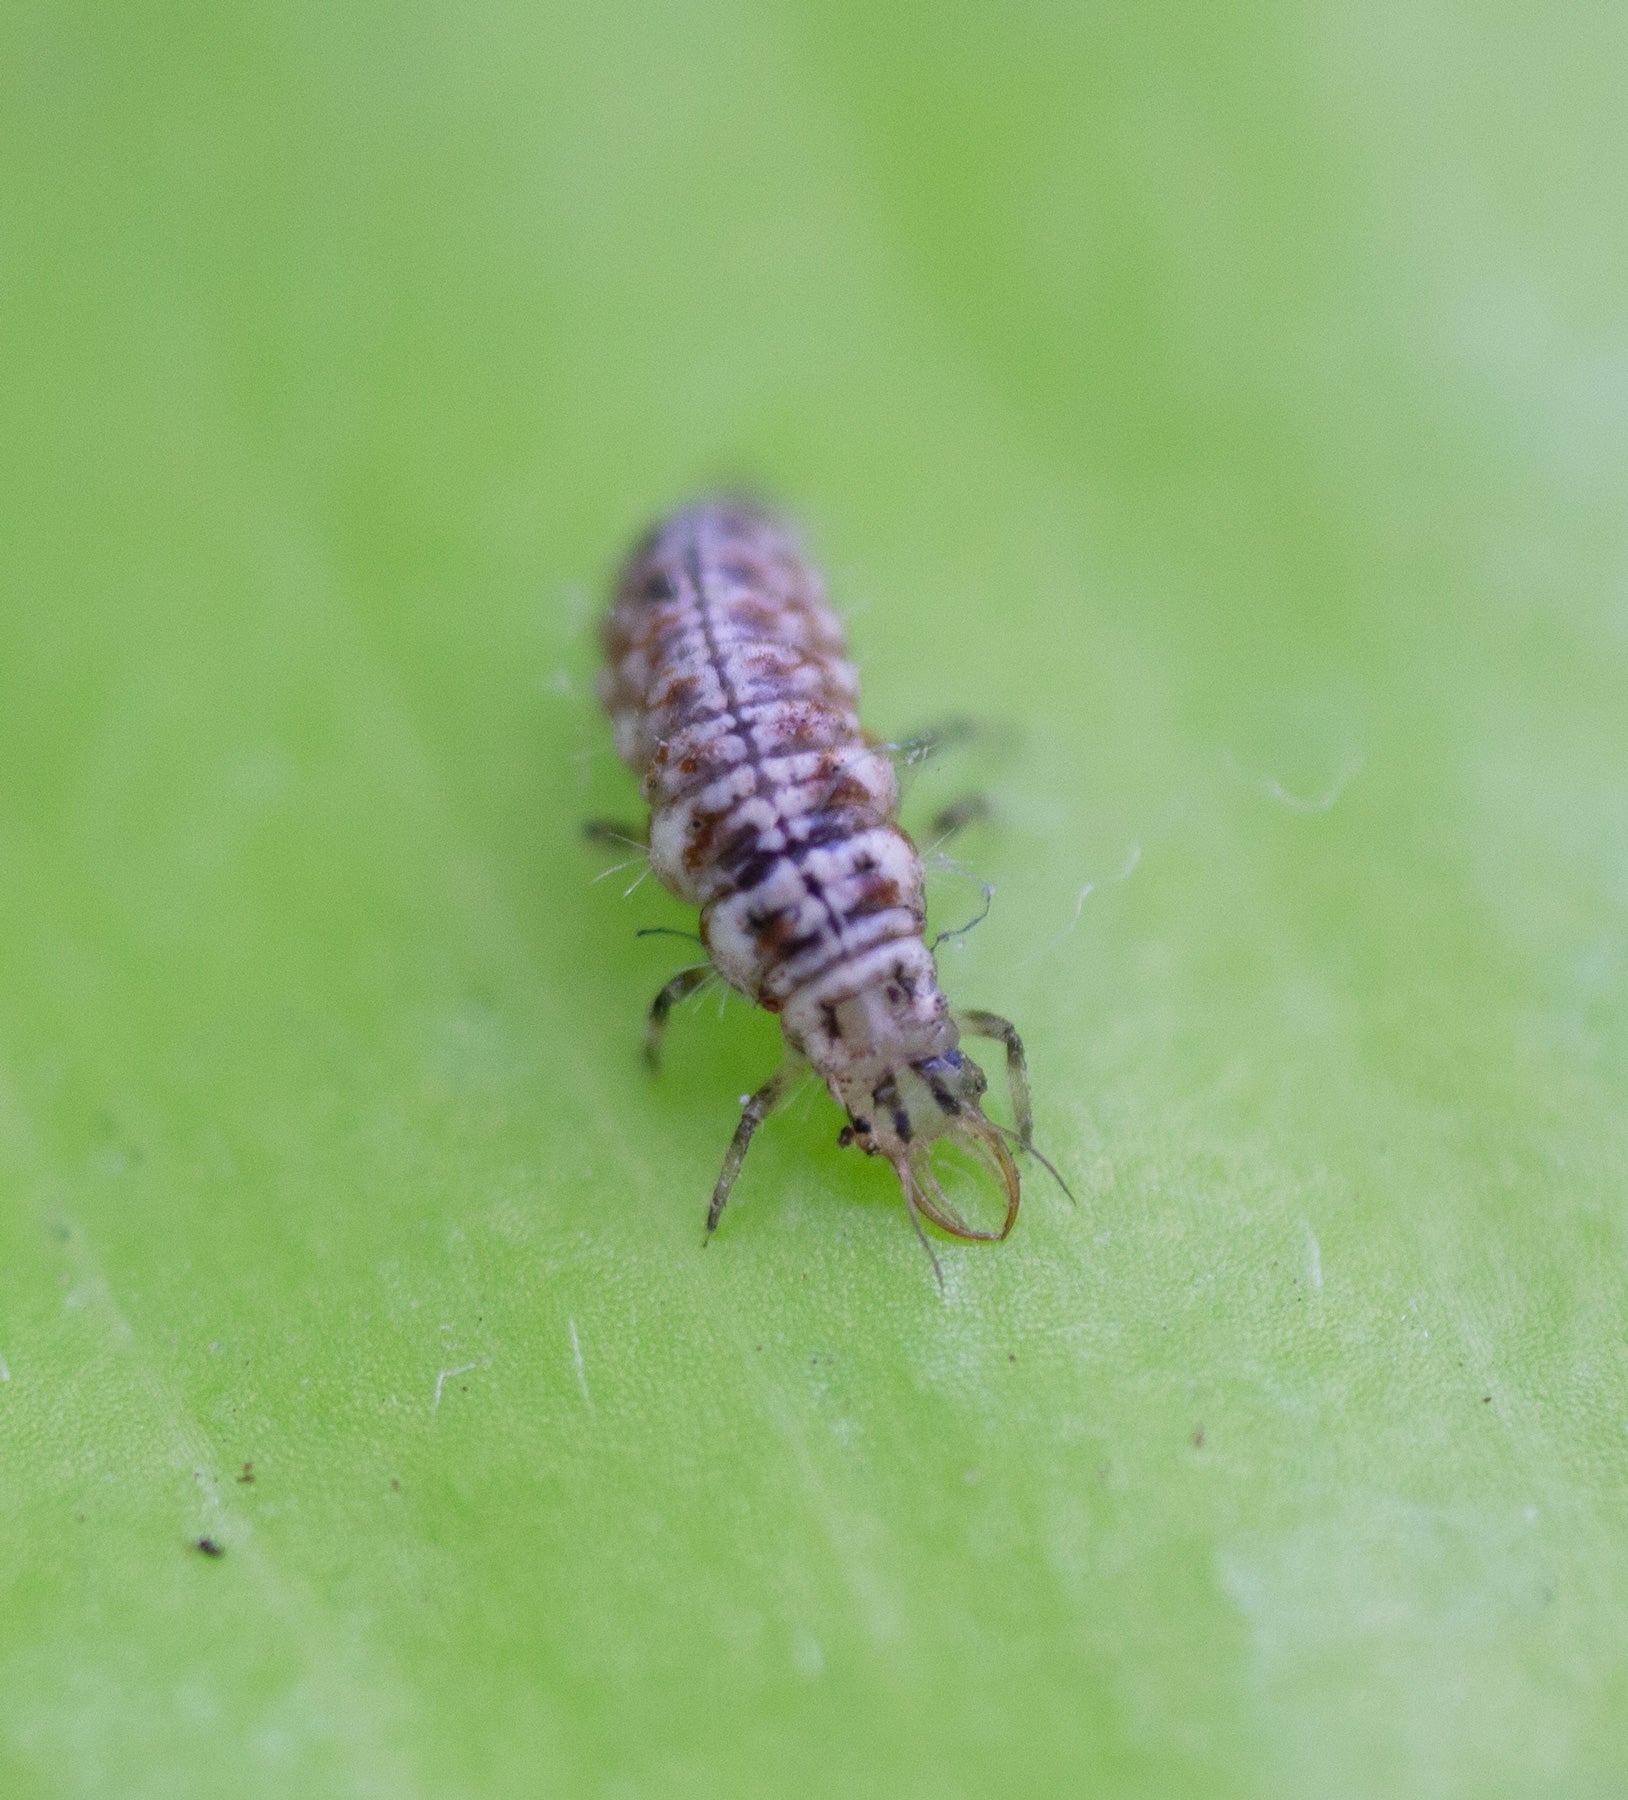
(888, 1051)
(923, 1103)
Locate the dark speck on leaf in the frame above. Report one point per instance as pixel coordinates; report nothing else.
(246, 1479)
(208, 1547)
(1198, 1437)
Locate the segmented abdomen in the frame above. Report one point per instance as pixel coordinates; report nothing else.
(731, 695)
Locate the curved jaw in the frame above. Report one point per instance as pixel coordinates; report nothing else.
(902, 1111)
(923, 1193)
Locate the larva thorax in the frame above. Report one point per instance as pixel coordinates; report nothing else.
(731, 695)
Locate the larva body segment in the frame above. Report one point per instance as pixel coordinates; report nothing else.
(728, 686)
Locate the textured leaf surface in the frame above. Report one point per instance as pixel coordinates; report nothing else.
(1231, 396)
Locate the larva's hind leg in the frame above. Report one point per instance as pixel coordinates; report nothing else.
(956, 733)
(951, 734)
(618, 834)
(756, 1110)
(682, 985)
(947, 734)
(949, 821)
(1003, 1031)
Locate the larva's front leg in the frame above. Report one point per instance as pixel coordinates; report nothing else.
(1003, 1031)
(682, 985)
(756, 1110)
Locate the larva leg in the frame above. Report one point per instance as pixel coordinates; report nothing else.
(992, 1025)
(756, 1110)
(1003, 1031)
(970, 809)
(682, 985)
(999, 735)
(946, 735)
(618, 834)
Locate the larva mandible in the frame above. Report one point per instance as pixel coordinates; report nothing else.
(727, 682)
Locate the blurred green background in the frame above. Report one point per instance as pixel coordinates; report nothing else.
(1234, 396)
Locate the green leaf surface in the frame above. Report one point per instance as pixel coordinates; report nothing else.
(1232, 397)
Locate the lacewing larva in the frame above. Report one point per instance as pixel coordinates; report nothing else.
(727, 682)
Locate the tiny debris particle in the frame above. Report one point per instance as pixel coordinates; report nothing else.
(246, 1479)
(1011, 1356)
(395, 1484)
(447, 1374)
(1486, 1399)
(1198, 1437)
(208, 1547)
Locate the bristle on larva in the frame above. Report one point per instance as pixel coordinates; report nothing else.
(728, 684)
